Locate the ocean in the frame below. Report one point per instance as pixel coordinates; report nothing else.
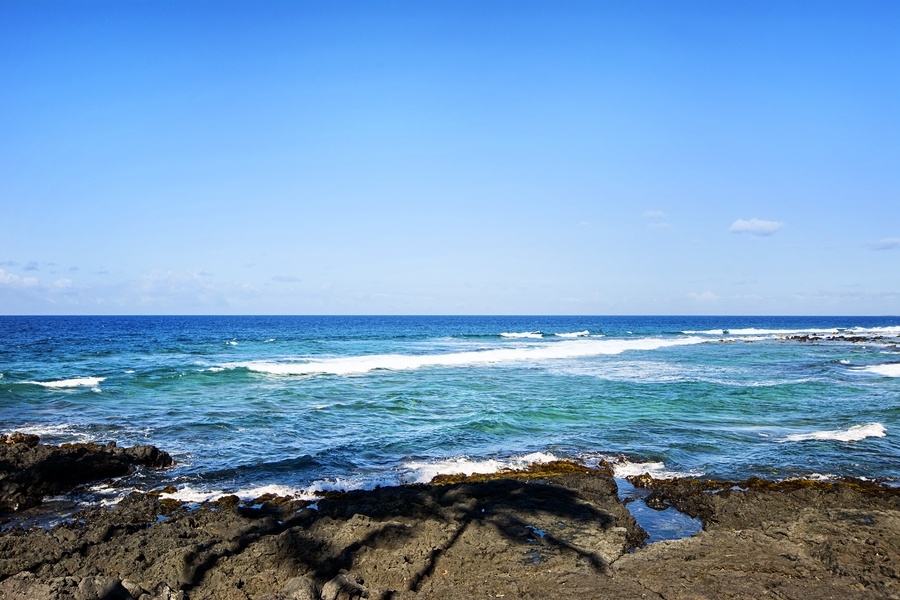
(298, 405)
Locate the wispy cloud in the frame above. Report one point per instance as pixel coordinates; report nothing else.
(8, 263)
(286, 279)
(706, 296)
(755, 226)
(656, 215)
(16, 281)
(886, 244)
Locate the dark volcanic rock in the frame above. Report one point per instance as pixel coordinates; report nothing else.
(30, 470)
(553, 534)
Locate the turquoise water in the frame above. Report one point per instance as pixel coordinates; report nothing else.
(298, 404)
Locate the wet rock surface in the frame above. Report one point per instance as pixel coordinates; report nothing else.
(30, 470)
(555, 531)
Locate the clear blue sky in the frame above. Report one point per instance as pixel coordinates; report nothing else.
(450, 157)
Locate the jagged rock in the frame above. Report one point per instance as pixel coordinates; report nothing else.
(24, 586)
(343, 587)
(101, 588)
(30, 470)
(17, 437)
(520, 535)
(301, 588)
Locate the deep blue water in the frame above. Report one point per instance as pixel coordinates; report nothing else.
(305, 403)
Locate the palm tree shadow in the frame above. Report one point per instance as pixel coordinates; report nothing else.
(513, 508)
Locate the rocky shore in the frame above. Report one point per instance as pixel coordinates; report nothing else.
(557, 530)
(30, 470)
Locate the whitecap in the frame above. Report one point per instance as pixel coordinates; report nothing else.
(574, 334)
(853, 434)
(523, 335)
(232, 343)
(886, 370)
(355, 365)
(92, 382)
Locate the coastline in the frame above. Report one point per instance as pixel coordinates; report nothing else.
(554, 530)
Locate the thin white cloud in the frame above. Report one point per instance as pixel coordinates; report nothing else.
(15, 281)
(886, 244)
(706, 296)
(755, 226)
(286, 279)
(653, 214)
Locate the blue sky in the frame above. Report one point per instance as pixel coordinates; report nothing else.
(449, 157)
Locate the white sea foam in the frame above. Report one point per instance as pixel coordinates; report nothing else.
(823, 477)
(887, 370)
(623, 468)
(355, 365)
(194, 495)
(854, 434)
(66, 431)
(70, 383)
(754, 331)
(232, 343)
(886, 331)
(822, 331)
(423, 472)
(574, 334)
(523, 335)
(411, 472)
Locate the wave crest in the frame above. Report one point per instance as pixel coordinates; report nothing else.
(70, 383)
(423, 472)
(853, 434)
(887, 370)
(357, 365)
(574, 334)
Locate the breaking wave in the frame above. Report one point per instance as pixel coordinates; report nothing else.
(854, 434)
(423, 472)
(887, 370)
(356, 365)
(70, 383)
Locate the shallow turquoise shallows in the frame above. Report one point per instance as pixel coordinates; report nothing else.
(300, 404)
